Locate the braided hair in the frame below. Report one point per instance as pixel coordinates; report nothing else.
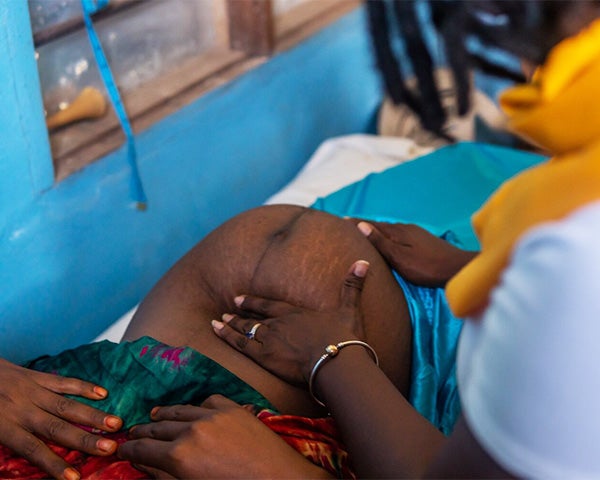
(526, 29)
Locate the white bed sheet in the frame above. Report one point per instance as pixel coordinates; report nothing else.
(337, 162)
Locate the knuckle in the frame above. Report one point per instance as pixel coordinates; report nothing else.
(87, 442)
(215, 401)
(181, 412)
(197, 429)
(151, 432)
(67, 385)
(62, 406)
(354, 282)
(212, 400)
(55, 428)
(241, 342)
(170, 413)
(134, 432)
(31, 447)
(98, 417)
(263, 306)
(132, 450)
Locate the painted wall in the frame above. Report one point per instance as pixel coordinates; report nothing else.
(76, 255)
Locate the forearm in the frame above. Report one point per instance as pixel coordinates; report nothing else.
(384, 434)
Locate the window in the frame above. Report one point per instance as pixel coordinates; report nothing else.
(163, 54)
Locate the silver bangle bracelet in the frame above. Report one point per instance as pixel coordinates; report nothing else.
(330, 352)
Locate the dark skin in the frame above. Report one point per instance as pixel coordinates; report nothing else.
(281, 252)
(414, 253)
(271, 251)
(23, 422)
(288, 352)
(32, 407)
(288, 344)
(414, 448)
(196, 442)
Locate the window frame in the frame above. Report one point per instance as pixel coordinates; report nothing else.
(254, 34)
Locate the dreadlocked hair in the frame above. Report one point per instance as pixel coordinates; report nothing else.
(526, 29)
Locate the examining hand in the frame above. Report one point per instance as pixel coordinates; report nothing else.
(33, 408)
(417, 255)
(219, 439)
(290, 339)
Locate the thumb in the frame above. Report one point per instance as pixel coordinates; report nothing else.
(353, 284)
(382, 243)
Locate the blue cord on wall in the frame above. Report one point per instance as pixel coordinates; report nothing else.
(137, 190)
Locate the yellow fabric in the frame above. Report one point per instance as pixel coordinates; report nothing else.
(559, 111)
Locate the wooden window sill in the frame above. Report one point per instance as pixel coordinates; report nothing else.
(75, 146)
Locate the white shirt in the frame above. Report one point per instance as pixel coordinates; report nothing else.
(529, 369)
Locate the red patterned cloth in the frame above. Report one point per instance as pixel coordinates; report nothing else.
(90, 466)
(315, 438)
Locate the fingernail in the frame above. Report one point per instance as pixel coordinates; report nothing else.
(365, 228)
(71, 474)
(239, 300)
(106, 445)
(226, 317)
(100, 391)
(112, 422)
(361, 268)
(217, 325)
(154, 411)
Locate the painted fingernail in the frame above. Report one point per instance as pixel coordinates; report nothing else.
(226, 317)
(100, 391)
(361, 268)
(154, 411)
(217, 325)
(365, 228)
(113, 422)
(106, 445)
(71, 474)
(239, 300)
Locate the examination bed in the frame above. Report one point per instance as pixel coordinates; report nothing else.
(389, 179)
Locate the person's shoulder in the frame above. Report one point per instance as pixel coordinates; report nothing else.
(567, 244)
(537, 340)
(553, 272)
(583, 219)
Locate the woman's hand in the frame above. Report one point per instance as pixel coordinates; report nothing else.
(33, 408)
(219, 439)
(417, 255)
(289, 339)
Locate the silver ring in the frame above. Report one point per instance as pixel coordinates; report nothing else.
(253, 330)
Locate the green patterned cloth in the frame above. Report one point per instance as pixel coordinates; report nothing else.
(143, 374)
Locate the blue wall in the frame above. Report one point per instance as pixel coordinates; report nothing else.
(76, 255)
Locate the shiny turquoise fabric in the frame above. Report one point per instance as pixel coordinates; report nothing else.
(433, 389)
(439, 192)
